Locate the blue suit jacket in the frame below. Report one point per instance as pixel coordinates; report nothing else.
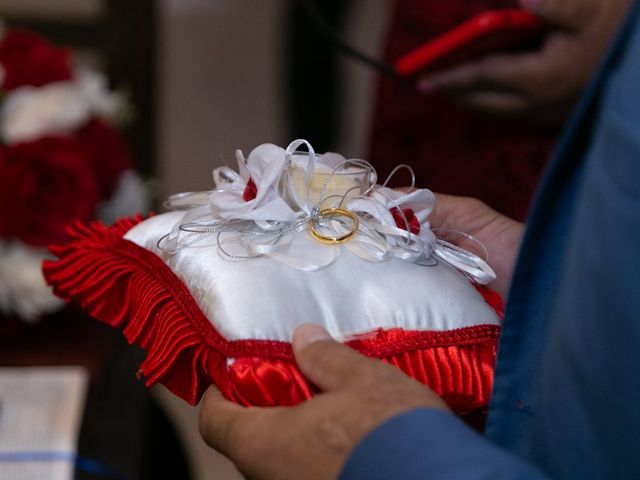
(566, 400)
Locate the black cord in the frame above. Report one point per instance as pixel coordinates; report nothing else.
(317, 19)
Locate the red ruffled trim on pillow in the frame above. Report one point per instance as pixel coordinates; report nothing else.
(462, 375)
(129, 287)
(493, 298)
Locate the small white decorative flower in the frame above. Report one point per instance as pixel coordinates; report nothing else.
(264, 168)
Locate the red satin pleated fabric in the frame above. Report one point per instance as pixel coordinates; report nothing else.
(461, 375)
(129, 287)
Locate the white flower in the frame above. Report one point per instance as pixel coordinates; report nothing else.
(28, 113)
(22, 287)
(383, 200)
(264, 167)
(347, 179)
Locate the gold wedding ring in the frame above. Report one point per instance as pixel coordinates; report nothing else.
(334, 212)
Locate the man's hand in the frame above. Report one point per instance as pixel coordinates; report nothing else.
(500, 235)
(313, 440)
(544, 83)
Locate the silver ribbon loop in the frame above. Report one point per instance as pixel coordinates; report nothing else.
(468, 263)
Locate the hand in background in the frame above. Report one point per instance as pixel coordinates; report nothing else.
(542, 84)
(313, 439)
(500, 235)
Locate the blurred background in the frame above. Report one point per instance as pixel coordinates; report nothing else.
(201, 78)
(209, 76)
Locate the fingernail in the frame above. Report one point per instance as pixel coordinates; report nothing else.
(530, 4)
(309, 333)
(426, 86)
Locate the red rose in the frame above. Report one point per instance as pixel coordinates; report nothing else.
(30, 60)
(44, 185)
(406, 214)
(109, 155)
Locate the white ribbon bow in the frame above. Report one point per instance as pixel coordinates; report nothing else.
(270, 223)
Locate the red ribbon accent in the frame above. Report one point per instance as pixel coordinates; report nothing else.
(250, 191)
(404, 217)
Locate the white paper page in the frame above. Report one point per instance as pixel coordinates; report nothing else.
(40, 414)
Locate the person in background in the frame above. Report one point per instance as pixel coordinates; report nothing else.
(567, 382)
(485, 129)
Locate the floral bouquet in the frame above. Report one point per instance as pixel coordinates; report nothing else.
(61, 160)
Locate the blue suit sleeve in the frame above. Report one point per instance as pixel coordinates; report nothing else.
(432, 444)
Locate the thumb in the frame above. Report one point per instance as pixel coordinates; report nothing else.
(325, 362)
